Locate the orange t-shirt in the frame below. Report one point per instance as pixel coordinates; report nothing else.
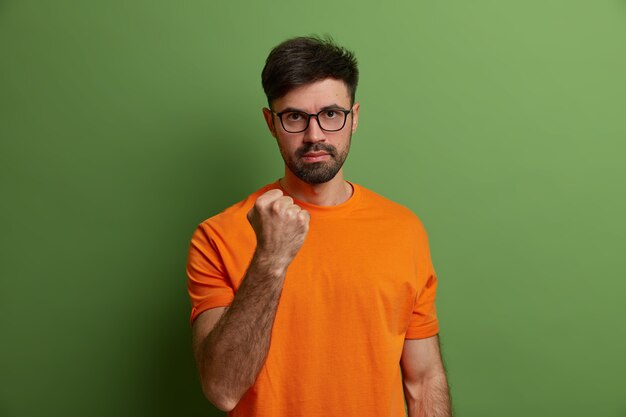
(361, 284)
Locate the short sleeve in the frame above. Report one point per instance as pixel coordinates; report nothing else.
(424, 322)
(207, 281)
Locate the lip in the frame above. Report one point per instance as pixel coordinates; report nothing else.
(315, 156)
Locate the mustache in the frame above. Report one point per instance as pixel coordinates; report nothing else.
(316, 147)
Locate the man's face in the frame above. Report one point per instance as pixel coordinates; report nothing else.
(314, 156)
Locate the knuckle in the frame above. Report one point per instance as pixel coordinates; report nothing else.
(303, 217)
(273, 194)
(275, 206)
(259, 203)
(268, 197)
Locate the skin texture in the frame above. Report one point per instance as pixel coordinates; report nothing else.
(231, 344)
(424, 378)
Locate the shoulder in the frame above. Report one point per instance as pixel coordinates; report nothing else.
(376, 202)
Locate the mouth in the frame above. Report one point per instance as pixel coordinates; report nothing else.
(317, 156)
(316, 152)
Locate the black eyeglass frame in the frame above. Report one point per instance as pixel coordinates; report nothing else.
(308, 120)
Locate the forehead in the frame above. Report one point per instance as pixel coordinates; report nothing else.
(311, 97)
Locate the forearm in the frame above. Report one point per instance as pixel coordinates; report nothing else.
(232, 354)
(428, 397)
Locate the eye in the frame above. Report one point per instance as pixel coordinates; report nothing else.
(330, 114)
(294, 116)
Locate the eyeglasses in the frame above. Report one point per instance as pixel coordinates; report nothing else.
(329, 120)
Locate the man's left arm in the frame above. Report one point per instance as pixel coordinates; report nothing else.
(424, 378)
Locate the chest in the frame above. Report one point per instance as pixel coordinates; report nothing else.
(346, 279)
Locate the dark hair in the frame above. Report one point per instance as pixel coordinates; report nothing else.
(304, 60)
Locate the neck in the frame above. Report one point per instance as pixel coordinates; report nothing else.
(331, 193)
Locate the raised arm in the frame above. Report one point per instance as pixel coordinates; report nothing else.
(424, 378)
(231, 344)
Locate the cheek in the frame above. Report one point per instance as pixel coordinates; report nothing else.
(343, 143)
(286, 146)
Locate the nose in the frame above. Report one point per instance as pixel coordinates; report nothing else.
(314, 132)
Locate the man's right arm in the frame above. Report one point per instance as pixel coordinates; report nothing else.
(231, 344)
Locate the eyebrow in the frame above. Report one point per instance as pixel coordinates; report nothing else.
(329, 107)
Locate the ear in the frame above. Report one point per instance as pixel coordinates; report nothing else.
(355, 116)
(269, 120)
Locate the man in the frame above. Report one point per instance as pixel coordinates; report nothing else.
(315, 296)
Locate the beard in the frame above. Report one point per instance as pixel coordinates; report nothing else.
(316, 172)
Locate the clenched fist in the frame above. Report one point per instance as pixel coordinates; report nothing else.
(280, 226)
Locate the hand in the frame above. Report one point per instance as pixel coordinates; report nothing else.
(280, 226)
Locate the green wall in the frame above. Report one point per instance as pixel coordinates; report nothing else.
(125, 124)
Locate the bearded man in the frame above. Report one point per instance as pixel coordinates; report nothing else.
(314, 296)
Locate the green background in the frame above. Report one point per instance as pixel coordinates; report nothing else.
(125, 124)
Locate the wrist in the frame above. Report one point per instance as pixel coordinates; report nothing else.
(270, 264)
